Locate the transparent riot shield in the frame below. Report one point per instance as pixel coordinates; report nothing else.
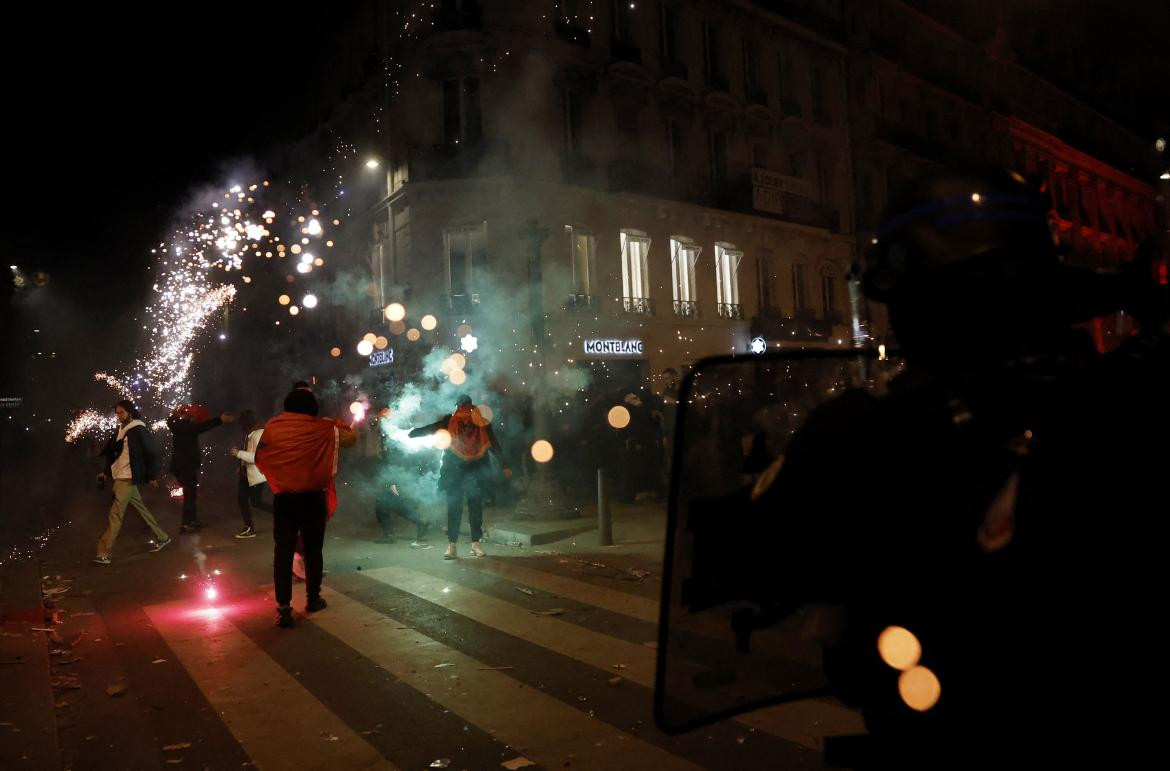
(730, 640)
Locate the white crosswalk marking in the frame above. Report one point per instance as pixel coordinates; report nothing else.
(579, 591)
(538, 726)
(802, 722)
(244, 685)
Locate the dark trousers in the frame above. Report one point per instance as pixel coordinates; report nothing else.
(249, 497)
(189, 479)
(388, 504)
(293, 514)
(458, 486)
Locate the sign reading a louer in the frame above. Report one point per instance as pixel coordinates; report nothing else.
(604, 347)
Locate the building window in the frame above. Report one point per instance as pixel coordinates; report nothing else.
(717, 149)
(712, 66)
(466, 250)
(676, 146)
(786, 65)
(667, 41)
(766, 285)
(829, 299)
(727, 259)
(462, 116)
(820, 97)
(751, 76)
(621, 20)
(799, 303)
(626, 122)
(760, 153)
(573, 114)
(635, 272)
(825, 179)
(684, 254)
(582, 258)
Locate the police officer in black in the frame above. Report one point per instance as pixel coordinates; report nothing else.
(973, 514)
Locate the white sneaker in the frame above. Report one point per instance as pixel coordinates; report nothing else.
(450, 553)
(477, 550)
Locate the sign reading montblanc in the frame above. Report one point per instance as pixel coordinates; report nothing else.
(613, 347)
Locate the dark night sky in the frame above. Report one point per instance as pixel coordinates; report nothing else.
(112, 116)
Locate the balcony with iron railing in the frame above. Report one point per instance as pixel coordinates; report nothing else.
(485, 158)
(450, 18)
(580, 302)
(578, 169)
(672, 68)
(638, 306)
(571, 32)
(729, 310)
(625, 52)
(688, 309)
(463, 302)
(718, 82)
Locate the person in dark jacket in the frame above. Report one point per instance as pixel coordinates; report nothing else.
(186, 423)
(464, 469)
(130, 459)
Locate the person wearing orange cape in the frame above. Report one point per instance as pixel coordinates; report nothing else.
(298, 455)
(465, 468)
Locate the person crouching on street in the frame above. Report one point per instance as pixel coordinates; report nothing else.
(131, 459)
(186, 423)
(465, 467)
(298, 456)
(251, 481)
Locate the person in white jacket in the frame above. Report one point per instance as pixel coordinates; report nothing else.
(252, 481)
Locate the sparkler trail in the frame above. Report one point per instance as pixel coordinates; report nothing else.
(199, 268)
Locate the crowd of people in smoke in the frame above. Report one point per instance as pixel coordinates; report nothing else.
(295, 456)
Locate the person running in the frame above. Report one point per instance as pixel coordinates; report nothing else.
(465, 468)
(251, 480)
(186, 423)
(131, 459)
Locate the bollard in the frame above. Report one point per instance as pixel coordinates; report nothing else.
(604, 521)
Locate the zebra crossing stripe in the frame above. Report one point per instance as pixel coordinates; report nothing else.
(598, 596)
(539, 727)
(803, 723)
(259, 702)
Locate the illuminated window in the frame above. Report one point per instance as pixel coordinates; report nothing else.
(727, 259)
(684, 254)
(635, 271)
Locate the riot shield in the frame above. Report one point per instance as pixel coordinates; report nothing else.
(731, 641)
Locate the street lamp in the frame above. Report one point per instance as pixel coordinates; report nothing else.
(373, 163)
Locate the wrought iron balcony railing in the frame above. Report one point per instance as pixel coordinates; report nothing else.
(686, 308)
(638, 306)
(729, 310)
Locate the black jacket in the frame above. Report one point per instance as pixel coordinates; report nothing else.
(185, 454)
(144, 459)
(452, 463)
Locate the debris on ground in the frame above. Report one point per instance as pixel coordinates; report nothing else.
(441, 763)
(616, 680)
(177, 746)
(515, 763)
(529, 592)
(116, 690)
(443, 665)
(494, 669)
(159, 661)
(640, 575)
(330, 737)
(549, 612)
(65, 681)
(619, 666)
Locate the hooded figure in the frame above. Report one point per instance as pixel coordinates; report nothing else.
(464, 469)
